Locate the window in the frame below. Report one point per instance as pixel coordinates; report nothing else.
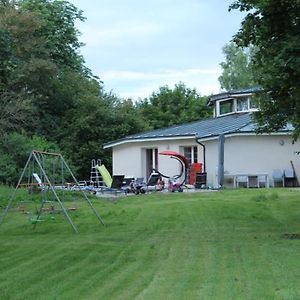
(191, 154)
(242, 104)
(226, 107)
(253, 104)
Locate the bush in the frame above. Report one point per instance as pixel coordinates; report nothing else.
(15, 149)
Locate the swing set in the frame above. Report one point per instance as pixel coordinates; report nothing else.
(46, 173)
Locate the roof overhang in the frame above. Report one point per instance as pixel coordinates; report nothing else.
(150, 139)
(190, 137)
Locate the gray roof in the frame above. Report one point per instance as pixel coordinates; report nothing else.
(232, 93)
(230, 124)
(201, 129)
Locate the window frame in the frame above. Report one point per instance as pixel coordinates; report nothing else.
(234, 101)
(232, 108)
(193, 150)
(246, 100)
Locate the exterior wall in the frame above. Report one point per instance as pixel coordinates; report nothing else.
(242, 154)
(211, 162)
(129, 159)
(252, 154)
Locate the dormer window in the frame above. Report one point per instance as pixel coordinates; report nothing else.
(235, 105)
(226, 107)
(253, 104)
(242, 104)
(235, 101)
(245, 104)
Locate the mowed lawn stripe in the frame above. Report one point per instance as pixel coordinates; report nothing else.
(216, 245)
(141, 258)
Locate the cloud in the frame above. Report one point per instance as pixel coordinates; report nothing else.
(136, 84)
(136, 46)
(165, 74)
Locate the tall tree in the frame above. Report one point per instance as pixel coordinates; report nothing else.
(25, 67)
(237, 68)
(173, 106)
(58, 28)
(42, 75)
(14, 151)
(46, 90)
(273, 26)
(40, 58)
(98, 118)
(15, 112)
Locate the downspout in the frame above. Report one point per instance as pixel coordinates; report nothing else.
(221, 142)
(204, 156)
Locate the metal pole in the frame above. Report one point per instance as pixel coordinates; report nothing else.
(56, 196)
(39, 213)
(87, 199)
(14, 193)
(221, 160)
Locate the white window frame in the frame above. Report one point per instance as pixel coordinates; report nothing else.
(234, 105)
(247, 98)
(193, 148)
(219, 107)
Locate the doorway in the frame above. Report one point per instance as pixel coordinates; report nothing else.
(151, 161)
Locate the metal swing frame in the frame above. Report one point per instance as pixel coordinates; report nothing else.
(37, 157)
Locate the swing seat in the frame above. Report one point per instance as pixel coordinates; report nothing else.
(36, 220)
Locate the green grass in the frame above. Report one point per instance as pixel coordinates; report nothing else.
(215, 245)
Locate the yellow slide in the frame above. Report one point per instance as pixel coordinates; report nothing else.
(105, 175)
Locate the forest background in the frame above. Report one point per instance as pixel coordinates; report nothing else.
(49, 99)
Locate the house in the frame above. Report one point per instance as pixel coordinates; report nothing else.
(227, 143)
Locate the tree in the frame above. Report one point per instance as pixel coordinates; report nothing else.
(273, 27)
(173, 106)
(14, 151)
(237, 68)
(24, 66)
(15, 112)
(25, 63)
(58, 28)
(42, 75)
(97, 118)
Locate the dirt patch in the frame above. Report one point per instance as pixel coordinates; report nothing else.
(291, 236)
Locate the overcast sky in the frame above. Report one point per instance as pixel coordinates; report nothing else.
(137, 46)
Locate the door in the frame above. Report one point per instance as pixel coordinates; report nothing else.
(151, 161)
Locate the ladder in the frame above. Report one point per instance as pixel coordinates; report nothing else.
(95, 177)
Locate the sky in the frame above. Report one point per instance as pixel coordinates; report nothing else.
(137, 46)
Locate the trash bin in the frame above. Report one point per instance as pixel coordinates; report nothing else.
(200, 180)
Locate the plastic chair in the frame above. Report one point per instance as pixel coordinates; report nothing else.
(152, 181)
(243, 180)
(289, 177)
(262, 181)
(278, 177)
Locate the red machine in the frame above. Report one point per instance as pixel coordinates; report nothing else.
(194, 169)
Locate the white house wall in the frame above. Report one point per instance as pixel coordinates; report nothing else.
(243, 154)
(252, 154)
(129, 159)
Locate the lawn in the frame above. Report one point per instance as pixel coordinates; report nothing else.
(232, 244)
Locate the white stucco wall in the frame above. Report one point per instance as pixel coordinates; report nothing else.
(242, 154)
(129, 159)
(252, 154)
